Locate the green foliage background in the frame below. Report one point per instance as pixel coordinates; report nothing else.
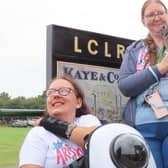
(10, 143)
(37, 102)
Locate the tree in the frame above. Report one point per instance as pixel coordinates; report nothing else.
(21, 102)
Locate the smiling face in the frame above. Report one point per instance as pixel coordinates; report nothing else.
(154, 16)
(62, 106)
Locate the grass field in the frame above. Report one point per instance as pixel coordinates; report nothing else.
(10, 143)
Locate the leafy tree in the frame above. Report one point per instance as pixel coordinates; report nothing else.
(4, 99)
(21, 102)
(4, 95)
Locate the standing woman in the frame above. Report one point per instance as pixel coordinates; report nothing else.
(42, 148)
(144, 64)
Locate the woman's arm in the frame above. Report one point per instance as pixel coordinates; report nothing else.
(132, 83)
(79, 133)
(66, 130)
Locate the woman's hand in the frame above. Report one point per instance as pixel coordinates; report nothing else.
(37, 122)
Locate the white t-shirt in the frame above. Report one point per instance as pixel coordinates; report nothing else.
(47, 150)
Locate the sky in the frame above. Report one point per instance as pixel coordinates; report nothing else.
(23, 34)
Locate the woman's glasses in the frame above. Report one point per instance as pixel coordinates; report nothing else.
(64, 91)
(152, 15)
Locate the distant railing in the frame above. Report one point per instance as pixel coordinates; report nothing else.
(21, 112)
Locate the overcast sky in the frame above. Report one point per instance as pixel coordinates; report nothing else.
(23, 34)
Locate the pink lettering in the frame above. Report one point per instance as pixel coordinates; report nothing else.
(79, 152)
(60, 157)
(72, 152)
(68, 153)
(65, 153)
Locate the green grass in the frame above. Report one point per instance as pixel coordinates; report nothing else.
(11, 140)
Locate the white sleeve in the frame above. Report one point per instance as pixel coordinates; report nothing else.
(88, 120)
(34, 148)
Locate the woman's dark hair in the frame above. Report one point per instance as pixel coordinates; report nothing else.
(84, 109)
(149, 42)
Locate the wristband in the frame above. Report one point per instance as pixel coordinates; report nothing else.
(56, 126)
(69, 130)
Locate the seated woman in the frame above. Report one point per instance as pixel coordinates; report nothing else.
(42, 148)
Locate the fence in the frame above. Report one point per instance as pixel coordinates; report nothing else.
(7, 116)
(21, 112)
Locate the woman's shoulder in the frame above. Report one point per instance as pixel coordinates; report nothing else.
(88, 120)
(136, 45)
(87, 116)
(41, 135)
(37, 131)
